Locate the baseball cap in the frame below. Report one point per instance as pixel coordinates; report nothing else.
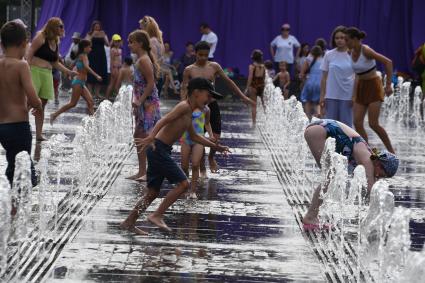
(388, 160)
(203, 84)
(116, 37)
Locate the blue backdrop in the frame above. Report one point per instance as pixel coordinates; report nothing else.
(394, 27)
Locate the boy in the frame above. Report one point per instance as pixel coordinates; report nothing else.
(159, 144)
(16, 92)
(125, 75)
(210, 70)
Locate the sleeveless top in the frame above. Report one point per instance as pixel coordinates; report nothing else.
(198, 121)
(45, 53)
(363, 65)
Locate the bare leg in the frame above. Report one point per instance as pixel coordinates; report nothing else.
(112, 82)
(202, 166)
(262, 102)
(359, 112)
(373, 115)
(253, 96)
(308, 109)
(141, 156)
(316, 138)
(39, 121)
(185, 157)
(197, 152)
(130, 222)
(97, 90)
(89, 100)
(157, 218)
(76, 93)
(211, 155)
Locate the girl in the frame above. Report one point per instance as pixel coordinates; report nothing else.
(200, 120)
(145, 94)
(310, 94)
(116, 62)
(256, 81)
(282, 79)
(369, 93)
(350, 144)
(168, 69)
(79, 82)
(336, 86)
(43, 55)
(305, 51)
(125, 76)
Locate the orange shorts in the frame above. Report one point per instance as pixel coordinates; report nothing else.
(369, 91)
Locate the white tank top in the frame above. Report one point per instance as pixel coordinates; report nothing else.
(363, 65)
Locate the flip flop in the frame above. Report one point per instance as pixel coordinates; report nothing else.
(317, 227)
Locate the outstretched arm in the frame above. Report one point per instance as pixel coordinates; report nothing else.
(204, 141)
(233, 86)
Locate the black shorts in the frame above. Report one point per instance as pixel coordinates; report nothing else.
(161, 166)
(16, 137)
(215, 117)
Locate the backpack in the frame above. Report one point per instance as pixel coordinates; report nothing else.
(418, 62)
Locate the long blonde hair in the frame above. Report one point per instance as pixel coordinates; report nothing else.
(142, 37)
(151, 27)
(49, 30)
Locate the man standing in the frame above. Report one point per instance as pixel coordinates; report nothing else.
(209, 36)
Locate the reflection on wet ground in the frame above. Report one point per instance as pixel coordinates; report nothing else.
(241, 228)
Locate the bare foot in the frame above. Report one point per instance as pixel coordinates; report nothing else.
(159, 222)
(141, 179)
(213, 165)
(52, 118)
(192, 195)
(203, 175)
(134, 177)
(41, 138)
(134, 229)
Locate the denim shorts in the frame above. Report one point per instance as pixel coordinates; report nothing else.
(161, 166)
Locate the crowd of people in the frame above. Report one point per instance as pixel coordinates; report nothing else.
(339, 86)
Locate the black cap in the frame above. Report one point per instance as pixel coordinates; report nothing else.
(203, 84)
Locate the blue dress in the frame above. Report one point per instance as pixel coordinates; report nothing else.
(311, 90)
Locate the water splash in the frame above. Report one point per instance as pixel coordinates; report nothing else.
(5, 218)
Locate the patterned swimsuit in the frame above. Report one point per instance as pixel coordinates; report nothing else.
(198, 121)
(148, 113)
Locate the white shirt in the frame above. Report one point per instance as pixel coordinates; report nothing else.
(284, 48)
(212, 39)
(340, 81)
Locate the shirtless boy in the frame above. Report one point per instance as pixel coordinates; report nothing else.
(16, 92)
(160, 164)
(203, 68)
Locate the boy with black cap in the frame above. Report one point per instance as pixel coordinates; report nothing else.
(160, 164)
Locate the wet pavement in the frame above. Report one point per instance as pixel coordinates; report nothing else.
(240, 229)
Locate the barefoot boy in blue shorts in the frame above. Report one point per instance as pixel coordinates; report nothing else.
(160, 164)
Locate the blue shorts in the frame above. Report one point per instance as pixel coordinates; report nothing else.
(343, 144)
(78, 82)
(161, 166)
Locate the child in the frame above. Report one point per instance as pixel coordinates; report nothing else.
(200, 121)
(145, 94)
(210, 70)
(116, 62)
(256, 81)
(79, 82)
(16, 92)
(350, 144)
(282, 79)
(269, 69)
(160, 164)
(125, 75)
(310, 94)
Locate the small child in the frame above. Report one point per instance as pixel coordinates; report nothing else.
(158, 145)
(116, 63)
(79, 82)
(282, 79)
(269, 69)
(256, 81)
(16, 94)
(200, 120)
(125, 75)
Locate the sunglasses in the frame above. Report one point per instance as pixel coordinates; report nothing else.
(286, 29)
(60, 26)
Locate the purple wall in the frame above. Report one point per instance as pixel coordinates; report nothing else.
(394, 27)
